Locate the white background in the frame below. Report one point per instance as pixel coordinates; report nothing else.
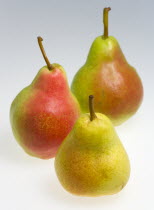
(68, 28)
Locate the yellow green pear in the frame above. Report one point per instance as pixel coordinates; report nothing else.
(92, 161)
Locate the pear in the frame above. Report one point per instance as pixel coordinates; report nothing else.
(92, 161)
(44, 112)
(106, 74)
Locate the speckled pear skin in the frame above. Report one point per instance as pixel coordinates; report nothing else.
(107, 75)
(92, 161)
(43, 113)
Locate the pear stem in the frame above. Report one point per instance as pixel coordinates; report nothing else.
(91, 108)
(105, 21)
(50, 67)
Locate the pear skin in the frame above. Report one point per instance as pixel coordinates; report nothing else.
(43, 113)
(106, 74)
(92, 161)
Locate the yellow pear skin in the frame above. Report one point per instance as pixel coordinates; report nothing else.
(92, 160)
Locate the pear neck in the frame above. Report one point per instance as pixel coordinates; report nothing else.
(51, 83)
(103, 50)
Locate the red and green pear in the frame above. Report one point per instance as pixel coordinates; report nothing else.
(106, 74)
(44, 112)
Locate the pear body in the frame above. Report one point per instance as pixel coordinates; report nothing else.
(107, 75)
(91, 161)
(43, 113)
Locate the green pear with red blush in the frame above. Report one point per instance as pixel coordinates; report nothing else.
(44, 112)
(106, 74)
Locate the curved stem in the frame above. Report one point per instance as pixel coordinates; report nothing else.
(91, 108)
(105, 21)
(50, 67)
